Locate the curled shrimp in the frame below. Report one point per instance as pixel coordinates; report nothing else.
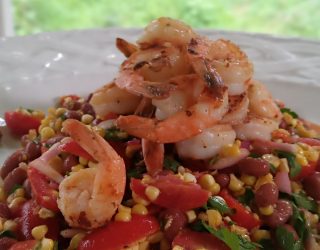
(125, 47)
(90, 197)
(238, 109)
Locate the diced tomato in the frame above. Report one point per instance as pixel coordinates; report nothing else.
(30, 219)
(306, 171)
(190, 240)
(20, 123)
(174, 192)
(43, 189)
(116, 235)
(74, 148)
(24, 245)
(241, 216)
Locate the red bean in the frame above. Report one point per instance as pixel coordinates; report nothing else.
(311, 185)
(12, 162)
(33, 150)
(266, 195)
(27, 187)
(254, 166)
(6, 243)
(69, 162)
(260, 148)
(174, 221)
(222, 179)
(71, 114)
(281, 214)
(4, 211)
(16, 177)
(54, 140)
(88, 109)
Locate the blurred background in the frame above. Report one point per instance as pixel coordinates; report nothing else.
(279, 17)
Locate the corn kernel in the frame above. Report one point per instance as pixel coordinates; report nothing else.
(10, 225)
(83, 161)
(214, 189)
(188, 177)
(139, 209)
(268, 210)
(99, 130)
(2, 220)
(152, 193)
(77, 168)
(39, 232)
(2, 195)
(144, 245)
(177, 248)
(46, 133)
(137, 199)
(191, 215)
(58, 125)
(10, 198)
(230, 150)
(235, 184)
(303, 132)
(249, 180)
(272, 159)
(19, 192)
(181, 170)
(214, 218)
(206, 181)
(301, 160)
(16, 202)
(87, 119)
(47, 244)
(155, 238)
(45, 213)
(92, 164)
(74, 242)
(284, 167)
(263, 180)
(289, 119)
(123, 216)
(311, 155)
(240, 192)
(60, 111)
(260, 234)
(124, 209)
(239, 230)
(296, 187)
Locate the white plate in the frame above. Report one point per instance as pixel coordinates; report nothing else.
(34, 70)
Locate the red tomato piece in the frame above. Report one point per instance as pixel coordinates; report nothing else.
(43, 189)
(241, 216)
(174, 192)
(74, 148)
(116, 235)
(306, 171)
(30, 219)
(191, 240)
(24, 245)
(20, 123)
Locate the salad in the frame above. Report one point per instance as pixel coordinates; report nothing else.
(183, 150)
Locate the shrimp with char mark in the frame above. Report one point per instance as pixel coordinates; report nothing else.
(238, 109)
(90, 197)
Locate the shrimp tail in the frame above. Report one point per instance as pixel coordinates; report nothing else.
(153, 154)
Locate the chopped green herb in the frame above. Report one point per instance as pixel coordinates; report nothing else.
(295, 167)
(63, 117)
(218, 203)
(290, 112)
(303, 201)
(267, 244)
(272, 168)
(7, 233)
(15, 187)
(30, 110)
(136, 172)
(299, 223)
(198, 226)
(254, 155)
(247, 197)
(115, 134)
(171, 164)
(286, 240)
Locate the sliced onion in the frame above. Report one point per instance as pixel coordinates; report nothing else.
(292, 148)
(283, 182)
(231, 160)
(107, 124)
(309, 141)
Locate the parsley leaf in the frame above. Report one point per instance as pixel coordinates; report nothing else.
(171, 164)
(136, 172)
(295, 167)
(15, 187)
(115, 134)
(267, 244)
(286, 240)
(290, 112)
(7, 233)
(303, 201)
(247, 197)
(218, 203)
(299, 223)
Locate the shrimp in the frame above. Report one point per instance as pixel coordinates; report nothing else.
(153, 155)
(111, 99)
(146, 72)
(90, 197)
(262, 103)
(238, 109)
(206, 144)
(125, 47)
(164, 30)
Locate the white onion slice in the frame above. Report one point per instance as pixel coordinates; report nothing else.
(283, 182)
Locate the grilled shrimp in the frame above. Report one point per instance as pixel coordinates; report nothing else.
(111, 99)
(238, 109)
(90, 197)
(125, 47)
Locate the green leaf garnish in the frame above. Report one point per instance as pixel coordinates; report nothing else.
(136, 172)
(290, 112)
(286, 240)
(115, 134)
(15, 187)
(171, 164)
(218, 203)
(7, 233)
(303, 201)
(295, 167)
(247, 197)
(299, 223)
(267, 244)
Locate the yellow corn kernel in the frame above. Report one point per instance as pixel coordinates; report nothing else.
(10, 198)
(92, 164)
(311, 155)
(188, 177)
(303, 132)
(46, 133)
(32, 134)
(144, 245)
(155, 238)
(83, 161)
(289, 119)
(99, 130)
(177, 248)
(60, 111)
(16, 202)
(272, 159)
(164, 244)
(152, 193)
(139, 209)
(191, 215)
(301, 160)
(284, 165)
(76, 168)
(235, 184)
(47, 244)
(45, 213)
(268, 210)
(137, 199)
(87, 119)
(214, 218)
(10, 225)
(39, 232)
(123, 216)
(74, 242)
(124, 209)
(230, 150)
(206, 181)
(51, 111)
(240, 192)
(2, 195)
(58, 125)
(19, 192)
(214, 189)
(260, 234)
(181, 170)
(296, 187)
(239, 230)
(263, 180)
(249, 180)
